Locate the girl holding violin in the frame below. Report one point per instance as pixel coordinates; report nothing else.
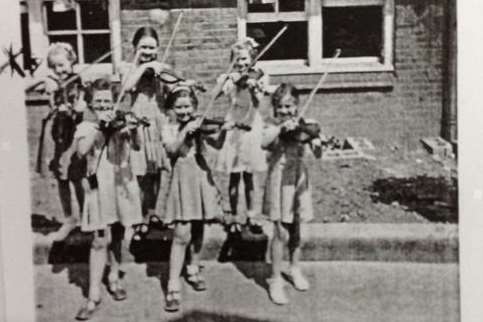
(287, 198)
(241, 154)
(147, 99)
(112, 193)
(66, 108)
(193, 199)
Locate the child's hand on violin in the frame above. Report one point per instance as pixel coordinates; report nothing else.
(228, 125)
(193, 126)
(131, 123)
(289, 125)
(107, 116)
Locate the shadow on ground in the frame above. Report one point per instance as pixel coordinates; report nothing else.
(435, 198)
(200, 316)
(44, 225)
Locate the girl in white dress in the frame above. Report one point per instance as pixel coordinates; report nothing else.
(193, 198)
(111, 190)
(242, 155)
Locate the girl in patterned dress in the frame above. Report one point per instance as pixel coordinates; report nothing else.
(287, 198)
(111, 190)
(147, 93)
(193, 198)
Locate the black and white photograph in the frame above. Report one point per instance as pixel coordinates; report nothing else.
(234, 160)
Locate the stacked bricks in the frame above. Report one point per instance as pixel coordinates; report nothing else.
(409, 109)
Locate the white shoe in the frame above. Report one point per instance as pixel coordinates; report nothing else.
(298, 279)
(277, 292)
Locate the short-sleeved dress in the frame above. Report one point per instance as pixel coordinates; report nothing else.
(288, 193)
(117, 196)
(192, 193)
(242, 151)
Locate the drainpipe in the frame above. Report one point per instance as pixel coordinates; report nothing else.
(449, 119)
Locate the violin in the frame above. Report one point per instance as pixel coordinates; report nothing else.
(303, 133)
(67, 93)
(122, 119)
(241, 78)
(213, 125)
(170, 77)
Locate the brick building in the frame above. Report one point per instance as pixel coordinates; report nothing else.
(394, 82)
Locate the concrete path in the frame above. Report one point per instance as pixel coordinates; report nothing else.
(341, 291)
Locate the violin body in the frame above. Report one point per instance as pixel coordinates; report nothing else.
(67, 94)
(214, 125)
(304, 133)
(241, 79)
(170, 77)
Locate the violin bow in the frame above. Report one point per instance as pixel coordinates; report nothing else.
(216, 91)
(314, 90)
(123, 86)
(171, 39)
(269, 45)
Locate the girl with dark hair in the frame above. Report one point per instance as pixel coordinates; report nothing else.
(112, 193)
(147, 100)
(193, 198)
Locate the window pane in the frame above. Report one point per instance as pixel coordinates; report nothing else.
(357, 31)
(70, 39)
(260, 6)
(95, 46)
(60, 20)
(94, 15)
(291, 45)
(291, 5)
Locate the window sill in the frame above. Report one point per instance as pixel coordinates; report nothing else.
(298, 67)
(94, 71)
(381, 80)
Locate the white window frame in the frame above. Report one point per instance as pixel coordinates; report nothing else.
(114, 12)
(313, 15)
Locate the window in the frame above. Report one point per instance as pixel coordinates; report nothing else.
(85, 27)
(362, 29)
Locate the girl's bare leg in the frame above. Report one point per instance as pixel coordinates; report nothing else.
(97, 263)
(298, 279)
(233, 191)
(248, 183)
(79, 193)
(65, 197)
(276, 284)
(193, 268)
(181, 239)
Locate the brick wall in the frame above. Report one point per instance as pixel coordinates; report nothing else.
(401, 114)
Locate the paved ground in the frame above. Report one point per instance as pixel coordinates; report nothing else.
(341, 291)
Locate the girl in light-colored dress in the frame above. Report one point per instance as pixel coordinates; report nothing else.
(147, 99)
(287, 198)
(242, 155)
(193, 198)
(111, 192)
